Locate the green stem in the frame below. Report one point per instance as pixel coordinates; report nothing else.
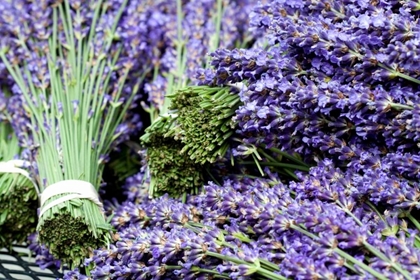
(267, 156)
(380, 255)
(401, 75)
(413, 220)
(286, 155)
(278, 164)
(260, 270)
(360, 264)
(188, 226)
(416, 240)
(172, 267)
(285, 171)
(215, 274)
(351, 267)
(371, 206)
(215, 38)
(394, 72)
(257, 163)
(268, 264)
(226, 258)
(269, 274)
(291, 174)
(212, 177)
(245, 176)
(401, 106)
(196, 224)
(184, 197)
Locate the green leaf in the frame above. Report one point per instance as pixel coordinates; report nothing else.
(116, 104)
(3, 216)
(390, 231)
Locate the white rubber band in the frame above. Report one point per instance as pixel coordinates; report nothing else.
(73, 189)
(14, 166)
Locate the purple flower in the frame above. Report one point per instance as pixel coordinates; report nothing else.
(43, 257)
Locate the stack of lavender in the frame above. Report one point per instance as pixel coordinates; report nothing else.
(257, 228)
(321, 96)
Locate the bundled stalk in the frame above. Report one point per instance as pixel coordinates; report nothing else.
(170, 171)
(173, 170)
(18, 193)
(204, 117)
(74, 115)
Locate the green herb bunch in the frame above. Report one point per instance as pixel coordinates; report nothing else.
(171, 168)
(18, 193)
(171, 171)
(204, 118)
(74, 116)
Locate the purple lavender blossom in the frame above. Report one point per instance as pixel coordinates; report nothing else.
(156, 91)
(291, 106)
(3, 102)
(136, 187)
(75, 275)
(43, 257)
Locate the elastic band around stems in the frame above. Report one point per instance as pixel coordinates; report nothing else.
(73, 189)
(14, 166)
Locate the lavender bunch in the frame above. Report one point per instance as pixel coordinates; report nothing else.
(361, 47)
(204, 123)
(328, 87)
(251, 228)
(273, 114)
(18, 191)
(74, 111)
(135, 244)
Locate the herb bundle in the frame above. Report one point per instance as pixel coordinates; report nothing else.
(171, 171)
(18, 192)
(178, 139)
(75, 109)
(204, 118)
